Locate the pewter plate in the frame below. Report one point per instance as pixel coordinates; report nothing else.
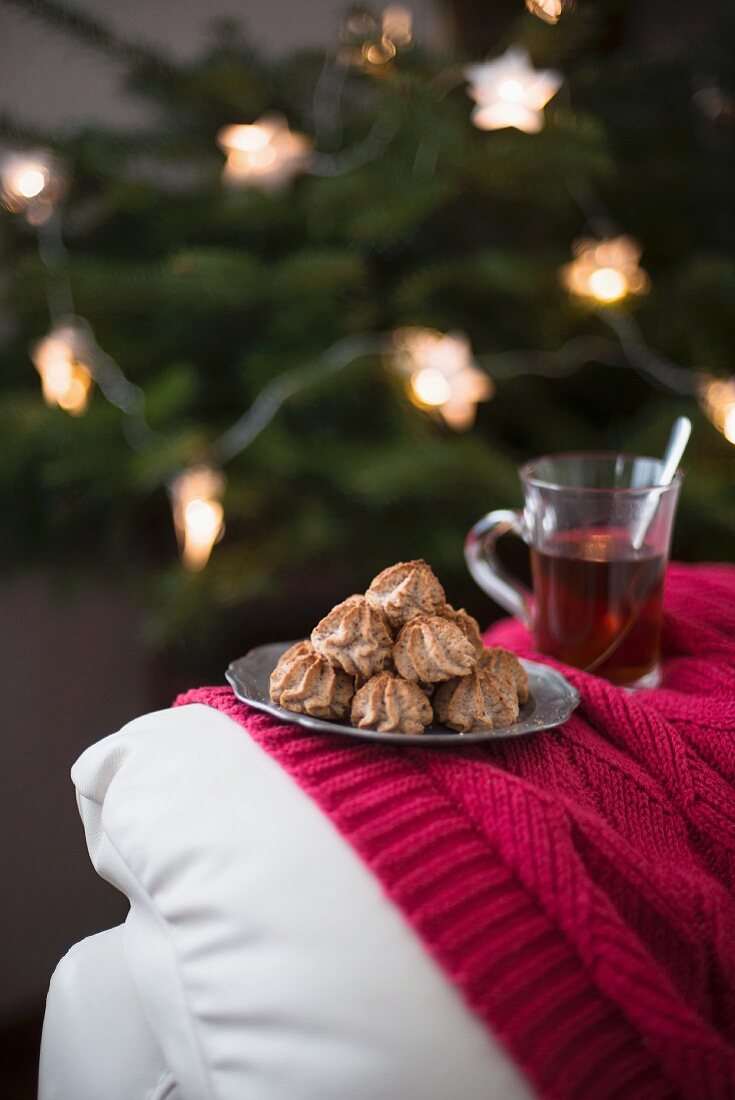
(551, 700)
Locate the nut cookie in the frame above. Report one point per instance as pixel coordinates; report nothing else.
(430, 648)
(479, 701)
(502, 662)
(391, 705)
(466, 623)
(406, 589)
(355, 637)
(306, 683)
(392, 659)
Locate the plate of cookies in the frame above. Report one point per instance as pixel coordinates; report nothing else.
(398, 663)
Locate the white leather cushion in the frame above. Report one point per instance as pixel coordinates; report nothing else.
(267, 960)
(96, 1043)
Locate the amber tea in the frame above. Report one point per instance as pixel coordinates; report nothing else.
(598, 603)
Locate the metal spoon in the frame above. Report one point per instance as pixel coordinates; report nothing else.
(673, 454)
(678, 440)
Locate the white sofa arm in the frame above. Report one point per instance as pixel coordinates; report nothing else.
(96, 1042)
(265, 957)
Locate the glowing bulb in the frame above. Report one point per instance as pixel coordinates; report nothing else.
(431, 387)
(371, 44)
(198, 514)
(549, 10)
(717, 397)
(511, 90)
(728, 424)
(247, 139)
(263, 157)
(605, 271)
(66, 380)
(202, 525)
(264, 154)
(57, 379)
(30, 182)
(607, 284)
(75, 398)
(508, 91)
(441, 373)
(379, 53)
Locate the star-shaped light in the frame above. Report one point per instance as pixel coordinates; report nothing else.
(265, 154)
(441, 374)
(605, 270)
(63, 359)
(549, 10)
(370, 44)
(510, 92)
(717, 396)
(196, 499)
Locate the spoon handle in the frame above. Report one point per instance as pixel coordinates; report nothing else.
(678, 440)
(680, 432)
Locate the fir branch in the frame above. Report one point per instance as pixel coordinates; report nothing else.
(92, 145)
(191, 279)
(93, 32)
(19, 133)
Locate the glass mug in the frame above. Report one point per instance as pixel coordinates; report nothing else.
(599, 531)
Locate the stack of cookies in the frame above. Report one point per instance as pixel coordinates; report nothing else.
(397, 657)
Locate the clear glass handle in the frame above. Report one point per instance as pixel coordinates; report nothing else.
(486, 570)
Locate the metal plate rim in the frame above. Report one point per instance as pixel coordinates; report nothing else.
(554, 700)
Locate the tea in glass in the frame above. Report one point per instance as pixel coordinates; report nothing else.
(599, 603)
(599, 529)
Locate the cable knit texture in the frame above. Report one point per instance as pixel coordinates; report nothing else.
(576, 886)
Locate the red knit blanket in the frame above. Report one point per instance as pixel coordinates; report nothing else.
(577, 885)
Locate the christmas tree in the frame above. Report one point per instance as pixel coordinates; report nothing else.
(302, 282)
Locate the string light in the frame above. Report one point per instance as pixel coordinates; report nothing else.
(30, 184)
(371, 44)
(265, 154)
(549, 10)
(379, 53)
(196, 498)
(717, 397)
(441, 373)
(398, 25)
(510, 92)
(605, 270)
(439, 368)
(63, 359)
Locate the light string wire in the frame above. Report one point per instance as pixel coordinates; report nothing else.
(657, 369)
(327, 122)
(265, 406)
(661, 373)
